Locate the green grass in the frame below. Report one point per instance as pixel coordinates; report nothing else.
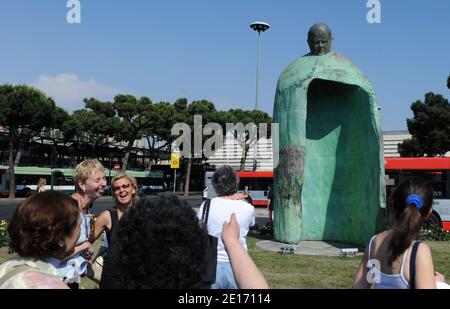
(87, 283)
(440, 250)
(301, 271)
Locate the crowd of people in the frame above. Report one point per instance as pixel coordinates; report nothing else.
(162, 242)
(53, 235)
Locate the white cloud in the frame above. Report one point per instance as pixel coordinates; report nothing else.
(68, 90)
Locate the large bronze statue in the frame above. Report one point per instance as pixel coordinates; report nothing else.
(319, 39)
(329, 183)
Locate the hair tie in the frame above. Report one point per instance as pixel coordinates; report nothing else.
(415, 199)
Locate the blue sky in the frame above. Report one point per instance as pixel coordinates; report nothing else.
(203, 49)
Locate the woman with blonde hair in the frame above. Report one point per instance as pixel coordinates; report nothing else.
(124, 189)
(90, 181)
(41, 185)
(125, 195)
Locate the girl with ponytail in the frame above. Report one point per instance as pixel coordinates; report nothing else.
(393, 258)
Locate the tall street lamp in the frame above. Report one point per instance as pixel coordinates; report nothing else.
(260, 27)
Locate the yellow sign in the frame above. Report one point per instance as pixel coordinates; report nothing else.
(175, 160)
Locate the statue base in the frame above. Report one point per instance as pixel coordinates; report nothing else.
(309, 247)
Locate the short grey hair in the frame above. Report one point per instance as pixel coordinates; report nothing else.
(225, 181)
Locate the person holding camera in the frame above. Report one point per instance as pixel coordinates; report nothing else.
(225, 182)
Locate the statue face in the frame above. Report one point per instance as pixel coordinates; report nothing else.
(320, 43)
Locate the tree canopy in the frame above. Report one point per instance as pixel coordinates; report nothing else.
(96, 124)
(430, 128)
(24, 113)
(243, 137)
(27, 113)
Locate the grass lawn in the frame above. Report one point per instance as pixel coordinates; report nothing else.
(301, 271)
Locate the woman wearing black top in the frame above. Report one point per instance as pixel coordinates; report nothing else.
(125, 195)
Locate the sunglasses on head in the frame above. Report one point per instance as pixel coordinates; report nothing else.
(124, 186)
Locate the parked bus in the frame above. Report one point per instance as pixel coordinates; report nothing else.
(27, 178)
(149, 182)
(435, 170)
(256, 182)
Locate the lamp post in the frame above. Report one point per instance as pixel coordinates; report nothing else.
(258, 26)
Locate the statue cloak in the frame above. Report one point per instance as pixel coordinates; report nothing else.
(329, 183)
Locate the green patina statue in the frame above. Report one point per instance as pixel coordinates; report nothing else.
(329, 183)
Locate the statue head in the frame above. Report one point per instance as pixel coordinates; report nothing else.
(319, 39)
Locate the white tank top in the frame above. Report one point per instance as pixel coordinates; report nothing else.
(386, 281)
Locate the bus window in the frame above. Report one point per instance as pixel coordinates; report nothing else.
(151, 184)
(258, 184)
(436, 171)
(246, 182)
(263, 184)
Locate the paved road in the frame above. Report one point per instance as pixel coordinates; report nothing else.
(7, 207)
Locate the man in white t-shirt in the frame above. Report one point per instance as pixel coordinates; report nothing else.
(225, 182)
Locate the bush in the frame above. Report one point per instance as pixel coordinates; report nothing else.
(265, 231)
(4, 236)
(434, 232)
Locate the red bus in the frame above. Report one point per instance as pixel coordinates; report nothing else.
(435, 170)
(257, 184)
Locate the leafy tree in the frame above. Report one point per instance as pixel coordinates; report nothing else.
(24, 112)
(158, 133)
(430, 128)
(185, 113)
(243, 137)
(96, 124)
(144, 119)
(136, 115)
(207, 110)
(55, 134)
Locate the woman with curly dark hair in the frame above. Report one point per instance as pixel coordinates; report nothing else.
(158, 243)
(43, 230)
